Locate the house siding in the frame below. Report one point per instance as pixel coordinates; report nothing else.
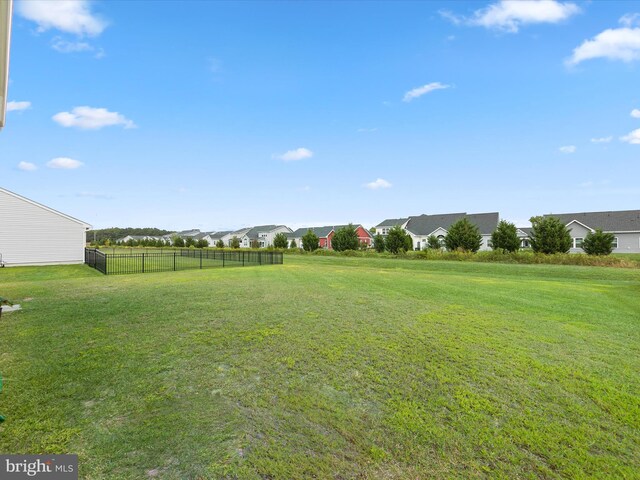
(627, 242)
(31, 234)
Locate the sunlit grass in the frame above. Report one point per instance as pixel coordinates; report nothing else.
(326, 367)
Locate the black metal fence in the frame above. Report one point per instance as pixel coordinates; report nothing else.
(146, 262)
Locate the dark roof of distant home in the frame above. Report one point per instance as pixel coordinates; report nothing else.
(255, 231)
(614, 221)
(218, 235)
(188, 233)
(241, 232)
(392, 222)
(427, 224)
(525, 230)
(322, 232)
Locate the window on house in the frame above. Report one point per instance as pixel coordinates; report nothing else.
(615, 242)
(524, 243)
(577, 242)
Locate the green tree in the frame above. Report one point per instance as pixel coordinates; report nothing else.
(202, 243)
(549, 235)
(463, 235)
(345, 238)
(310, 241)
(280, 240)
(598, 243)
(177, 241)
(254, 243)
(505, 237)
(189, 242)
(293, 244)
(398, 240)
(378, 243)
(234, 242)
(434, 243)
(220, 244)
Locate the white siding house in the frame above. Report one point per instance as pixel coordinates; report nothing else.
(33, 234)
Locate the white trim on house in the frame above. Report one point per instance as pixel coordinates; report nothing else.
(580, 223)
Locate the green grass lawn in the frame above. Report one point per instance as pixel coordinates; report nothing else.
(326, 367)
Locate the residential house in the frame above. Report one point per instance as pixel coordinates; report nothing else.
(213, 237)
(524, 234)
(34, 234)
(263, 235)
(421, 227)
(326, 233)
(226, 239)
(383, 227)
(624, 225)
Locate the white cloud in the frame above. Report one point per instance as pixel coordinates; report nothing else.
(17, 106)
(71, 16)
(633, 137)
(613, 44)
(378, 183)
(630, 19)
(88, 118)
(510, 15)
(602, 139)
(419, 91)
(635, 113)
(568, 149)
(294, 155)
(64, 46)
(64, 163)
(27, 166)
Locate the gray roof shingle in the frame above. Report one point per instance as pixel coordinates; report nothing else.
(322, 232)
(391, 222)
(427, 224)
(612, 221)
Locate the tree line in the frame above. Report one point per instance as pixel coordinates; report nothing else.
(100, 236)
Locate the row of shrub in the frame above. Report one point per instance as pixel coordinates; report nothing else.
(495, 256)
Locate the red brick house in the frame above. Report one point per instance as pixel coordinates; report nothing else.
(325, 234)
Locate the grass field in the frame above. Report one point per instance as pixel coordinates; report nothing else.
(326, 367)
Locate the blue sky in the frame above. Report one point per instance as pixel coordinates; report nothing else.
(217, 115)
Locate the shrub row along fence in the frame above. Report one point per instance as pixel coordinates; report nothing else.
(125, 263)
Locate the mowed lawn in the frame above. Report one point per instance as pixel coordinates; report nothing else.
(326, 367)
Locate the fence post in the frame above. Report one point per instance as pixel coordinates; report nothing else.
(243, 259)
(223, 259)
(142, 262)
(259, 258)
(200, 259)
(174, 260)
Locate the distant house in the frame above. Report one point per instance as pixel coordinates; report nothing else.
(421, 227)
(214, 237)
(624, 225)
(263, 235)
(34, 234)
(383, 227)
(226, 239)
(524, 234)
(325, 235)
